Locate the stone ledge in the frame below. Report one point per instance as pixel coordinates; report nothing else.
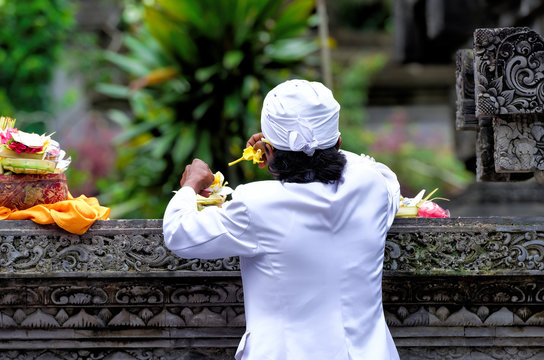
(465, 287)
(462, 246)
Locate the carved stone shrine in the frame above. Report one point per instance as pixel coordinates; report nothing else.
(465, 288)
(506, 71)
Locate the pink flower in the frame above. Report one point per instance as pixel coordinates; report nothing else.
(6, 135)
(21, 148)
(430, 209)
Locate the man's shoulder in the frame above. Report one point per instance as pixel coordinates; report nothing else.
(364, 166)
(258, 188)
(357, 158)
(355, 162)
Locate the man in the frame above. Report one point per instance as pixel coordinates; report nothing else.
(311, 242)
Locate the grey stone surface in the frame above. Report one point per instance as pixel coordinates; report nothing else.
(469, 287)
(465, 115)
(508, 83)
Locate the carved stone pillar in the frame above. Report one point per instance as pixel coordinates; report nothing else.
(509, 65)
(466, 119)
(485, 153)
(509, 90)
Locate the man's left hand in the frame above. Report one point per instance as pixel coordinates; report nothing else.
(198, 176)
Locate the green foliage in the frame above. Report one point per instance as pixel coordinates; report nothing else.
(419, 168)
(31, 38)
(199, 70)
(417, 164)
(352, 93)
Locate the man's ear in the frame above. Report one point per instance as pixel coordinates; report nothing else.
(339, 143)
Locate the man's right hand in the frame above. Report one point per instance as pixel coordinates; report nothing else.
(266, 149)
(254, 139)
(198, 176)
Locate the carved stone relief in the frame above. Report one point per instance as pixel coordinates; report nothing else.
(114, 303)
(474, 252)
(465, 105)
(485, 154)
(468, 353)
(414, 353)
(88, 253)
(519, 143)
(124, 354)
(509, 90)
(509, 63)
(458, 301)
(449, 245)
(440, 274)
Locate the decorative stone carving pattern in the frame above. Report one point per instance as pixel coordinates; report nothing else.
(466, 107)
(519, 143)
(441, 276)
(457, 247)
(219, 303)
(105, 249)
(460, 301)
(111, 354)
(447, 245)
(443, 353)
(509, 89)
(509, 63)
(157, 303)
(463, 353)
(485, 154)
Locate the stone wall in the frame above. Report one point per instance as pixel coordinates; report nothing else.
(465, 288)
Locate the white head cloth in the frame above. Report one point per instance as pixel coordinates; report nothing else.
(299, 115)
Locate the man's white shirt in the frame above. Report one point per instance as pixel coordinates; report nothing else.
(311, 258)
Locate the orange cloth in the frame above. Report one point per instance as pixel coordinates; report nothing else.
(75, 215)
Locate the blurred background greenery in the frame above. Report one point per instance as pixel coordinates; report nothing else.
(32, 37)
(164, 81)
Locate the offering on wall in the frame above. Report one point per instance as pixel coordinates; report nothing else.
(32, 168)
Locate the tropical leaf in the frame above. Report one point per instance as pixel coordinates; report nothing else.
(184, 144)
(119, 117)
(203, 150)
(294, 19)
(157, 76)
(133, 132)
(204, 74)
(200, 110)
(232, 59)
(162, 144)
(142, 49)
(173, 38)
(291, 49)
(114, 91)
(208, 64)
(183, 11)
(133, 66)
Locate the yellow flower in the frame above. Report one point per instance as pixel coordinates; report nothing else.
(250, 154)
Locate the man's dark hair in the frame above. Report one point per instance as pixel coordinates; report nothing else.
(295, 166)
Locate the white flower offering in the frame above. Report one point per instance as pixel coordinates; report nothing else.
(29, 153)
(421, 207)
(218, 192)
